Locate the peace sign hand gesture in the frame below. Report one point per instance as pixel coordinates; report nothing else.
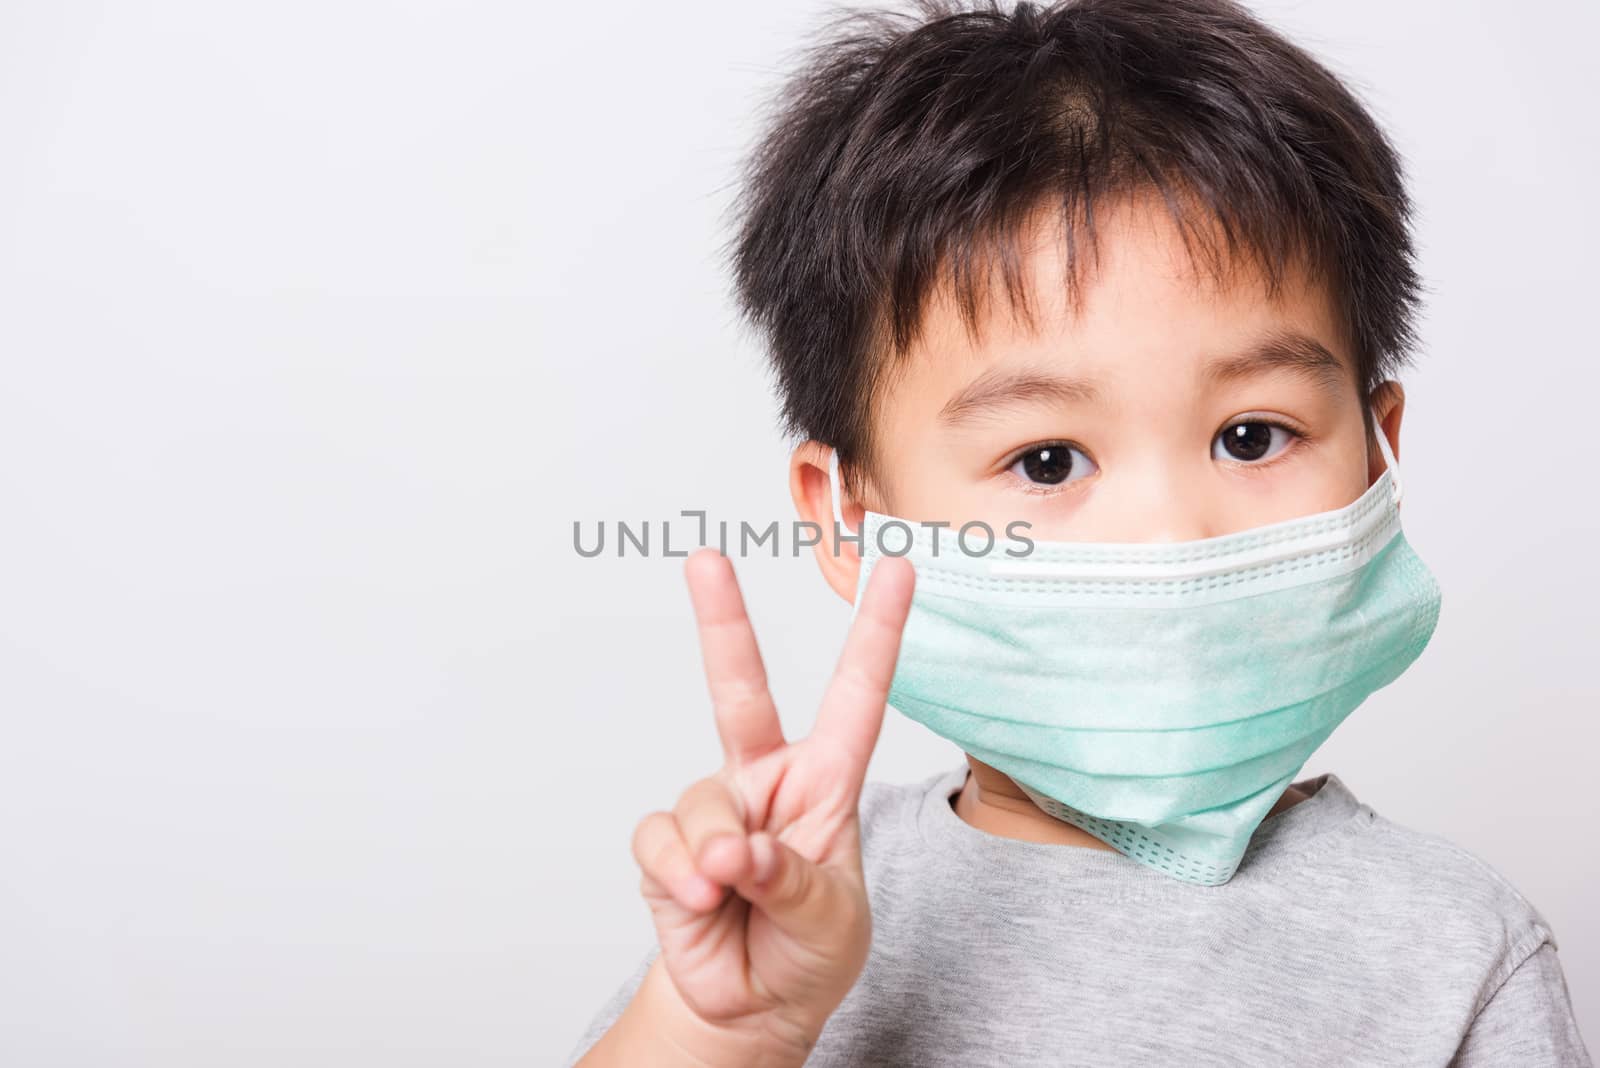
(754, 879)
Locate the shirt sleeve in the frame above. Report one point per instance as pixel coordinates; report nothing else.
(611, 1010)
(1528, 1021)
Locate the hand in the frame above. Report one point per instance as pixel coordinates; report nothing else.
(754, 879)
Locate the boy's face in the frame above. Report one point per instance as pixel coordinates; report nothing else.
(1148, 414)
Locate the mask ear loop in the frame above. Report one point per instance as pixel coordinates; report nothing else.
(835, 490)
(1390, 463)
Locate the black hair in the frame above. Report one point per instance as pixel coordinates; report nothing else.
(912, 146)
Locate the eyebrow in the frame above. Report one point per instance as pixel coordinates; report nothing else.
(1282, 351)
(998, 389)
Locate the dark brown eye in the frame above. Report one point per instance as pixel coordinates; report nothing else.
(1250, 442)
(1051, 465)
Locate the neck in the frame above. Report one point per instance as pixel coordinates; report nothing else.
(992, 802)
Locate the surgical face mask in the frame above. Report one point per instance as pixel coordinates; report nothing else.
(1160, 696)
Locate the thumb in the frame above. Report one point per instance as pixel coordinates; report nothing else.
(804, 900)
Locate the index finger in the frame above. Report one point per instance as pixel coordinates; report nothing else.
(852, 708)
(747, 720)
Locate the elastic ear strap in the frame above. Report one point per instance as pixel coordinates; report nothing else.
(836, 491)
(1389, 461)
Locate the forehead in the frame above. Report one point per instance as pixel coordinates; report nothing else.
(1138, 309)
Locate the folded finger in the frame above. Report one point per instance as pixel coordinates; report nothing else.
(667, 867)
(713, 825)
(798, 895)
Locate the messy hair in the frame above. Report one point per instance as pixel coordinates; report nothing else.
(910, 148)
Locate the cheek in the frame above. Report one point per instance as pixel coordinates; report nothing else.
(1310, 489)
(915, 481)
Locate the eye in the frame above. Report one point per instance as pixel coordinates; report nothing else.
(1052, 464)
(1253, 441)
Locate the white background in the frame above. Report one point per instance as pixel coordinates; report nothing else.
(321, 323)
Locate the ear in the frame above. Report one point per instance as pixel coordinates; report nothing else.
(1389, 407)
(813, 499)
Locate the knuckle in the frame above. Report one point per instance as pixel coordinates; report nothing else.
(740, 692)
(647, 837)
(858, 684)
(692, 799)
(710, 798)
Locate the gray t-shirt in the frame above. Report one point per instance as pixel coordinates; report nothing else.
(1343, 939)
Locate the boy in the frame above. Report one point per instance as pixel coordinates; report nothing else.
(1204, 243)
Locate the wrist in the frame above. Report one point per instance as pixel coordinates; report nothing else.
(659, 1028)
